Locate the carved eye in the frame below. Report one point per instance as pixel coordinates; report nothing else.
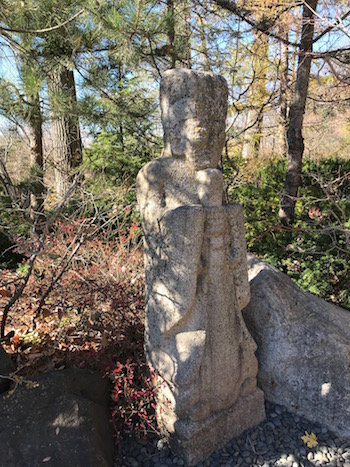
(163, 200)
(234, 255)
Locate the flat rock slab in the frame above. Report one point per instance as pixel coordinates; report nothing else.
(303, 348)
(64, 421)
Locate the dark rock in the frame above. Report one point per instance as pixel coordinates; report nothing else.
(62, 422)
(6, 367)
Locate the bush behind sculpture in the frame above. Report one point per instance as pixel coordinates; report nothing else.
(315, 252)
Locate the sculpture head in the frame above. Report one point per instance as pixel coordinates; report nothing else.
(194, 108)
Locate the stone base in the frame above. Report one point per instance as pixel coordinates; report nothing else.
(194, 442)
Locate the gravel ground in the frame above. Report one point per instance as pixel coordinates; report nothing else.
(275, 442)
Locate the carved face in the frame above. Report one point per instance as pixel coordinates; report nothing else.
(201, 143)
(195, 132)
(194, 107)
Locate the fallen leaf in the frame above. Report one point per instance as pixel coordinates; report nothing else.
(310, 439)
(16, 339)
(104, 342)
(5, 293)
(46, 459)
(57, 430)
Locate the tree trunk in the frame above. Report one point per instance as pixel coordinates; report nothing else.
(37, 165)
(67, 146)
(296, 116)
(179, 33)
(257, 96)
(253, 134)
(284, 97)
(171, 35)
(203, 41)
(33, 117)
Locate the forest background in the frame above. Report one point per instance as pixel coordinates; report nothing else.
(80, 114)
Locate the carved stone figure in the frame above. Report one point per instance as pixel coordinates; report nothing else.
(196, 275)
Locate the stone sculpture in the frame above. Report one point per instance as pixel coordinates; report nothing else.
(196, 275)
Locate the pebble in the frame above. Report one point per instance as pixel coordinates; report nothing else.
(275, 442)
(277, 422)
(278, 409)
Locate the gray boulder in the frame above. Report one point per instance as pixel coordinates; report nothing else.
(64, 421)
(6, 367)
(303, 348)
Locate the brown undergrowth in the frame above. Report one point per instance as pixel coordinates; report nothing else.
(93, 317)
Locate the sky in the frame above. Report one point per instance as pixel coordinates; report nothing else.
(334, 40)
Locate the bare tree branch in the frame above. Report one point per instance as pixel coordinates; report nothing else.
(18, 292)
(265, 25)
(332, 26)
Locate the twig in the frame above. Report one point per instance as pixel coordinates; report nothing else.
(18, 292)
(55, 279)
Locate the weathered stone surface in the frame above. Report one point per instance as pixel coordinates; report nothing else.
(196, 275)
(6, 367)
(64, 420)
(303, 348)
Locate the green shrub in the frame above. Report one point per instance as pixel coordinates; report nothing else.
(315, 253)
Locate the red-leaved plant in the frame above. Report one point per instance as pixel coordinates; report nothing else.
(91, 313)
